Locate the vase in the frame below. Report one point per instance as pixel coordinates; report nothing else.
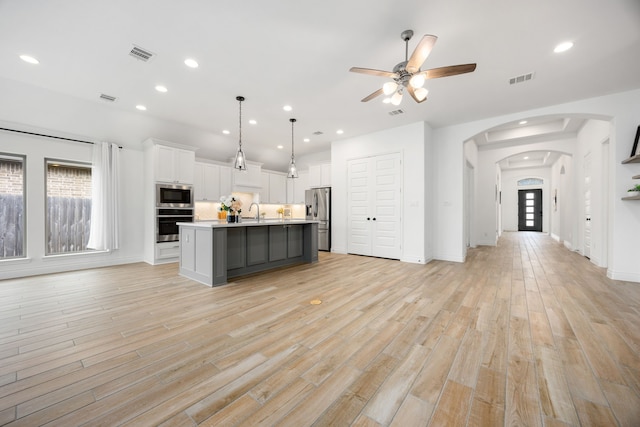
(222, 215)
(231, 218)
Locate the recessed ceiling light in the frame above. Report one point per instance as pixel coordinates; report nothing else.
(29, 59)
(161, 88)
(280, 147)
(191, 63)
(522, 122)
(253, 122)
(141, 107)
(339, 131)
(287, 108)
(526, 157)
(563, 47)
(226, 132)
(306, 140)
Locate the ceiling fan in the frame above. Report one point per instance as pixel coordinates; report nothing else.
(407, 74)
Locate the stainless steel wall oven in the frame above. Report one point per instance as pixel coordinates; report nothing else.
(166, 223)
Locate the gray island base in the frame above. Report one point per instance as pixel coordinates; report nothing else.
(212, 252)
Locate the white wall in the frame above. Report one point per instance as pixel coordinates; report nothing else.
(410, 142)
(563, 210)
(510, 189)
(36, 150)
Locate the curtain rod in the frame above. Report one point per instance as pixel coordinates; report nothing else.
(50, 136)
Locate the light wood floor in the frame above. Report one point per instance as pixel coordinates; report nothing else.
(526, 333)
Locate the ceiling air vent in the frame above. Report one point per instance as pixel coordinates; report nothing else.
(317, 132)
(141, 54)
(521, 79)
(395, 112)
(106, 97)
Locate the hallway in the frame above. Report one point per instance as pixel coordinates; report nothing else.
(525, 333)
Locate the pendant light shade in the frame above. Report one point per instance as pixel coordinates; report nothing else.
(240, 162)
(293, 171)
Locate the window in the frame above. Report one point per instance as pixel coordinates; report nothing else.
(530, 181)
(68, 216)
(12, 206)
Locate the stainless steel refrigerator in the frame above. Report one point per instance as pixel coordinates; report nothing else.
(318, 201)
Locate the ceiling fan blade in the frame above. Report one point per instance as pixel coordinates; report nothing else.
(451, 70)
(420, 53)
(413, 94)
(373, 95)
(373, 72)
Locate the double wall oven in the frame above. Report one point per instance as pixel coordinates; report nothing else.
(174, 203)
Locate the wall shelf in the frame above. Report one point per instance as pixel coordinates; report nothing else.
(631, 198)
(634, 159)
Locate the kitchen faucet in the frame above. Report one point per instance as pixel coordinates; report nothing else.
(258, 206)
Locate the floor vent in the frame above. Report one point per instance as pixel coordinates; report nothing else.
(141, 54)
(395, 112)
(318, 132)
(106, 97)
(521, 79)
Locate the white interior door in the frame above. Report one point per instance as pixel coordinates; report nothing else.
(374, 206)
(587, 206)
(359, 217)
(386, 221)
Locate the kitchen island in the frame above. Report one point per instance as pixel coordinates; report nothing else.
(211, 252)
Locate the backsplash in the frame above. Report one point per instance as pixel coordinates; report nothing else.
(207, 211)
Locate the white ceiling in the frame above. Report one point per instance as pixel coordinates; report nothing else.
(299, 53)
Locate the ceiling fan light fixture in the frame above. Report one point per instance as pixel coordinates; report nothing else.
(417, 81)
(292, 172)
(396, 99)
(240, 161)
(386, 100)
(421, 93)
(389, 87)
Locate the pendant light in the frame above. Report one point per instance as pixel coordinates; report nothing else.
(240, 162)
(293, 171)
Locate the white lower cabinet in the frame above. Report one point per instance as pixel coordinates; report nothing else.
(167, 251)
(374, 206)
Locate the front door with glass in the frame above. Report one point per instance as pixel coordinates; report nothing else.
(530, 210)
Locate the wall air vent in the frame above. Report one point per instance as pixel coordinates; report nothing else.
(141, 54)
(318, 132)
(108, 98)
(521, 79)
(395, 112)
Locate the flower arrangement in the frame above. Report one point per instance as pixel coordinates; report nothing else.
(231, 204)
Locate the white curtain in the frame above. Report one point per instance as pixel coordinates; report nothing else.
(105, 177)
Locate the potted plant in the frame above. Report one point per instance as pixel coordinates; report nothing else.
(634, 191)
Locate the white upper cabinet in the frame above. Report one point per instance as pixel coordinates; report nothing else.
(207, 182)
(274, 188)
(320, 175)
(296, 188)
(225, 180)
(175, 165)
(277, 188)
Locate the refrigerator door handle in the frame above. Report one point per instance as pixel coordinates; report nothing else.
(315, 203)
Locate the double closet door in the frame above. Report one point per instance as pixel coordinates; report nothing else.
(374, 206)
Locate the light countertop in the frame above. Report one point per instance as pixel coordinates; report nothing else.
(246, 223)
